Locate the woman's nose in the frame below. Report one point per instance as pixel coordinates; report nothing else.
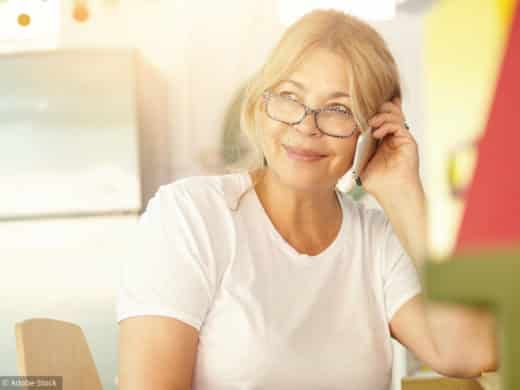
(308, 125)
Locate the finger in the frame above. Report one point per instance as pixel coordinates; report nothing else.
(391, 128)
(390, 107)
(395, 142)
(385, 129)
(380, 119)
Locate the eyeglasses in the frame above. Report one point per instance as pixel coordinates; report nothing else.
(332, 121)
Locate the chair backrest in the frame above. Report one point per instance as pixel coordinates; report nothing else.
(47, 347)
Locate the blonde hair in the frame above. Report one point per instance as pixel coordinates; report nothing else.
(371, 69)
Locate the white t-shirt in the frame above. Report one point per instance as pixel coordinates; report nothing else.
(268, 317)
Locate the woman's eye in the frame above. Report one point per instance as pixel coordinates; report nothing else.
(289, 95)
(340, 107)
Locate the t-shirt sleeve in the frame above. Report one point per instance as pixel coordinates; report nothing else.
(401, 280)
(169, 274)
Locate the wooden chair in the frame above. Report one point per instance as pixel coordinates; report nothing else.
(439, 384)
(487, 381)
(47, 347)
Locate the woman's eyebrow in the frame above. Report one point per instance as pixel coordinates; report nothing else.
(302, 87)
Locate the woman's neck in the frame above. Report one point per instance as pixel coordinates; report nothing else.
(314, 217)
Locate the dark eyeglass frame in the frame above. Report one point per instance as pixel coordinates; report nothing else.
(307, 110)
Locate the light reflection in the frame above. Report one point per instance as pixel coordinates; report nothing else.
(371, 10)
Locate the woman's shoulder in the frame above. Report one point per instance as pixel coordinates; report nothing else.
(208, 194)
(193, 211)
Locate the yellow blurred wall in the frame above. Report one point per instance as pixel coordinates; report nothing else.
(465, 41)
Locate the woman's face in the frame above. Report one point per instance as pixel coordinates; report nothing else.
(314, 82)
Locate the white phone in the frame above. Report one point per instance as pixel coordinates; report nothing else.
(366, 146)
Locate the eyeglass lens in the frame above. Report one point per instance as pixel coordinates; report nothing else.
(331, 122)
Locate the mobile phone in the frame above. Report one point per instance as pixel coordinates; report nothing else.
(366, 146)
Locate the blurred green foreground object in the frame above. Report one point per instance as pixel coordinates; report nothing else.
(489, 279)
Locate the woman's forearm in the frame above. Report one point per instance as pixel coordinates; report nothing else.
(465, 337)
(407, 211)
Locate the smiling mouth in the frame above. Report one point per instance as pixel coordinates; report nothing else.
(295, 155)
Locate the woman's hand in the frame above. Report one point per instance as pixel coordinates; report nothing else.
(396, 161)
(392, 178)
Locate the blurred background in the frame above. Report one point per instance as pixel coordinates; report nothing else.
(102, 101)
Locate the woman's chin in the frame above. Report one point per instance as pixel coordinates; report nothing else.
(303, 179)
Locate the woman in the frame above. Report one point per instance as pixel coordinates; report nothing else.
(269, 278)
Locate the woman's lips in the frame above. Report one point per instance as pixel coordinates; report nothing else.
(305, 155)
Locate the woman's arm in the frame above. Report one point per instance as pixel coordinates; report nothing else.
(452, 339)
(156, 353)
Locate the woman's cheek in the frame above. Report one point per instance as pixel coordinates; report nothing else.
(271, 136)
